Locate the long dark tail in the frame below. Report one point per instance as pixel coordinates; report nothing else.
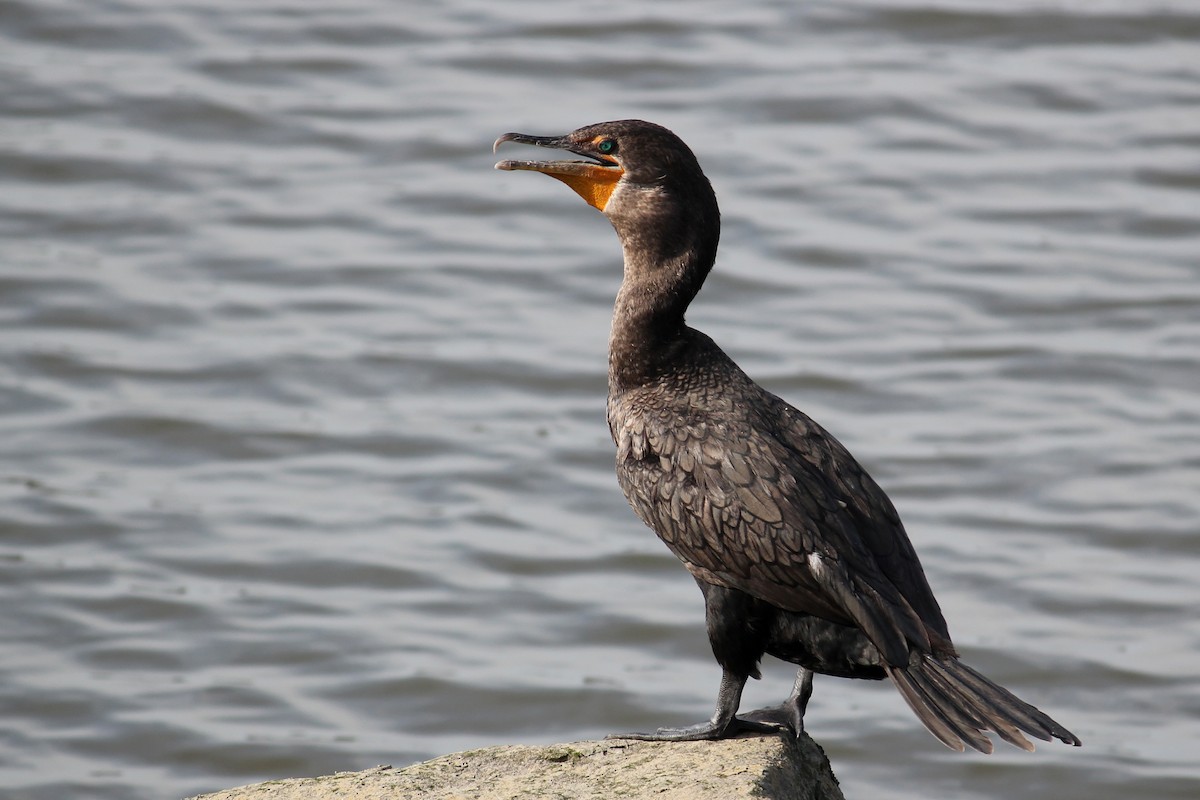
(957, 705)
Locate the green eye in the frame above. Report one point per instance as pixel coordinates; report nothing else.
(608, 147)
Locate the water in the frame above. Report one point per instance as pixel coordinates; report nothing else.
(302, 426)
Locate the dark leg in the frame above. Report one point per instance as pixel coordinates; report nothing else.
(816, 645)
(790, 715)
(737, 625)
(723, 725)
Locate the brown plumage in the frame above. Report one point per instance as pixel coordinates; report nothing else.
(797, 550)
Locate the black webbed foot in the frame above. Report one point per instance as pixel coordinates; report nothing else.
(780, 717)
(705, 731)
(724, 723)
(790, 714)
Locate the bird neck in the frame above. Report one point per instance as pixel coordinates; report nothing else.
(667, 257)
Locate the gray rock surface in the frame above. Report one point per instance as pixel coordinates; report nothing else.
(771, 767)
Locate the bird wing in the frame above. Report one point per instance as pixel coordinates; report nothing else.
(871, 522)
(758, 497)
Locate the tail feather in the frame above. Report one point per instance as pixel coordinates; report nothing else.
(1027, 717)
(942, 719)
(957, 704)
(986, 717)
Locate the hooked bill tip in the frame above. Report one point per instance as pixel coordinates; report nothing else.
(506, 137)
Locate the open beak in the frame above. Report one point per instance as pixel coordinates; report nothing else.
(593, 180)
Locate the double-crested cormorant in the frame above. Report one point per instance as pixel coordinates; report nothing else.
(797, 550)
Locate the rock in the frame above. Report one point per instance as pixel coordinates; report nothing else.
(772, 767)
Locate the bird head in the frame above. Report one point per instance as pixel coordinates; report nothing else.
(623, 154)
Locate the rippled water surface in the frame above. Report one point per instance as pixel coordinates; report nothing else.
(304, 460)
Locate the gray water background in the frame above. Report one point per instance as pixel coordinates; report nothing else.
(303, 459)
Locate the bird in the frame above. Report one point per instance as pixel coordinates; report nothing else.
(798, 552)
